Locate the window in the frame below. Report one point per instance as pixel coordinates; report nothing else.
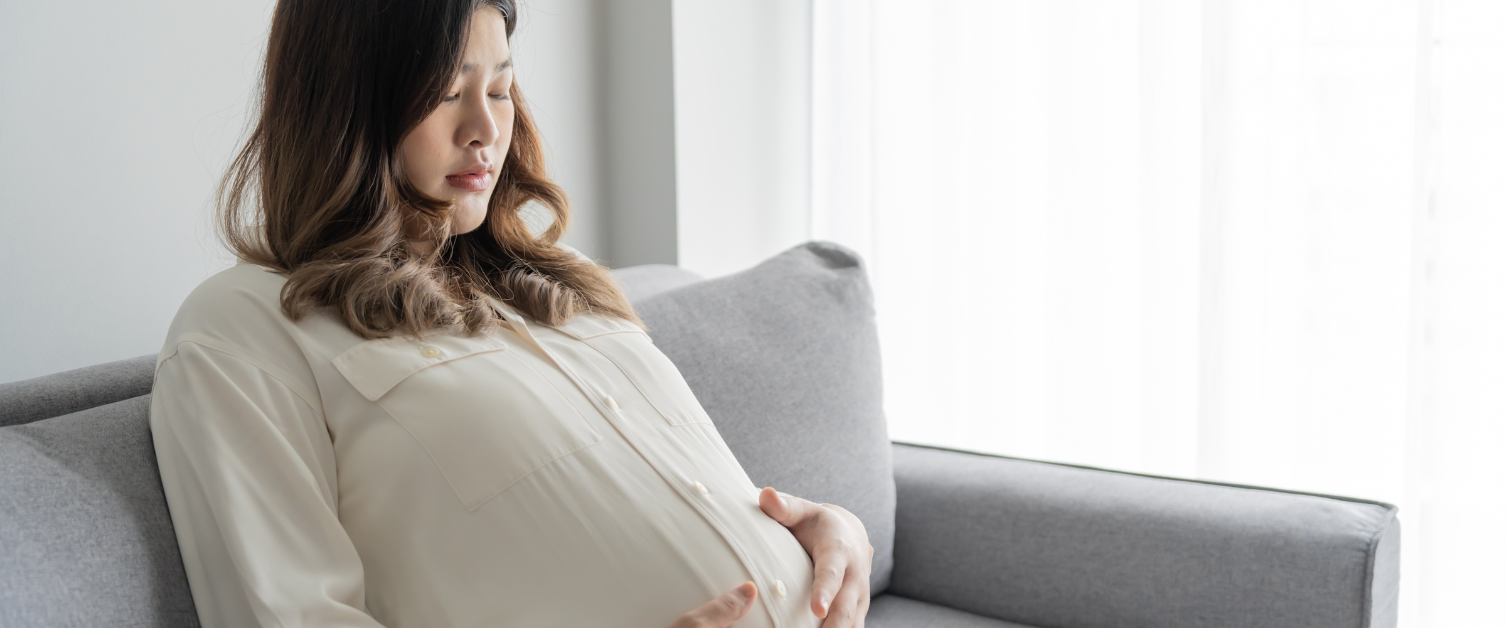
(1257, 241)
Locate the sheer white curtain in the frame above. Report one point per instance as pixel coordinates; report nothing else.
(1257, 241)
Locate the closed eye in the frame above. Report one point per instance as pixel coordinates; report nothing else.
(454, 97)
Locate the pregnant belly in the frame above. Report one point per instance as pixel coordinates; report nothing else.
(576, 544)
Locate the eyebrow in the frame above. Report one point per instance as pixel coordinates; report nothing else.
(467, 68)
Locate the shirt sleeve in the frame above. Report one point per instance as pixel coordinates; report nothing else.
(248, 471)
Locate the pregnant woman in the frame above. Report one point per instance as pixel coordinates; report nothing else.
(403, 408)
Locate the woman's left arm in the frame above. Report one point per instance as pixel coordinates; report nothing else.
(838, 545)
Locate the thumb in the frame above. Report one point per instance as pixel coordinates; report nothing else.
(727, 607)
(788, 510)
(773, 505)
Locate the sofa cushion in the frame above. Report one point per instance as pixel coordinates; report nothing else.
(785, 358)
(85, 536)
(893, 611)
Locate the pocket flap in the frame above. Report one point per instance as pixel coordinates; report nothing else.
(375, 366)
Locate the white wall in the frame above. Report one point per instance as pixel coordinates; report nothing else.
(742, 130)
(557, 51)
(707, 130)
(116, 122)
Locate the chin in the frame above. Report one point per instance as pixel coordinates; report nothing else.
(467, 220)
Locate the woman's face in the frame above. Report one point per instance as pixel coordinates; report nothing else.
(456, 153)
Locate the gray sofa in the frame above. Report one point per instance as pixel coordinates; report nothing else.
(785, 358)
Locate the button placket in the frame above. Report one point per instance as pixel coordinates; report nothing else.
(705, 507)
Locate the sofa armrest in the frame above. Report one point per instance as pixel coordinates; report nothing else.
(77, 390)
(1061, 546)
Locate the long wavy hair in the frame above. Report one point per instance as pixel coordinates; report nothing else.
(318, 194)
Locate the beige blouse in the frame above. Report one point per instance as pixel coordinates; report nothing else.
(532, 476)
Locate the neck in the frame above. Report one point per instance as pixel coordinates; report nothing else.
(421, 247)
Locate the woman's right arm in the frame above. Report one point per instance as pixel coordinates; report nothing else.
(248, 470)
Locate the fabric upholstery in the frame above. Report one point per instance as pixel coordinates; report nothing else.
(893, 611)
(784, 357)
(641, 282)
(85, 531)
(1054, 545)
(71, 391)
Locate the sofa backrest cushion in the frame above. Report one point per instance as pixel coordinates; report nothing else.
(641, 282)
(785, 358)
(84, 527)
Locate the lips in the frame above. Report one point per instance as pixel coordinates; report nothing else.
(475, 178)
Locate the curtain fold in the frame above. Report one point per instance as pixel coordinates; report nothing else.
(1257, 241)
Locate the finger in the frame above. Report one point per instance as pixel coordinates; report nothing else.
(863, 602)
(830, 566)
(727, 607)
(844, 608)
(788, 510)
(771, 505)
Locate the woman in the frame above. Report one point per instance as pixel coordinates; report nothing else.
(404, 409)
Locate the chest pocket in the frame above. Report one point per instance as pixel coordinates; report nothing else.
(485, 416)
(630, 348)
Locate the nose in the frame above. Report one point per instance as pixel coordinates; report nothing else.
(478, 128)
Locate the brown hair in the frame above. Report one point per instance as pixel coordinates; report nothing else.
(344, 82)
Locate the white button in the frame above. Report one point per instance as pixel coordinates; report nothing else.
(612, 402)
(702, 488)
(431, 352)
(779, 587)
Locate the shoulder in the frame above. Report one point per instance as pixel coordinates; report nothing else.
(244, 283)
(237, 311)
(234, 319)
(240, 296)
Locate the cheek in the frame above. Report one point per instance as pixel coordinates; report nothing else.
(422, 157)
(504, 124)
